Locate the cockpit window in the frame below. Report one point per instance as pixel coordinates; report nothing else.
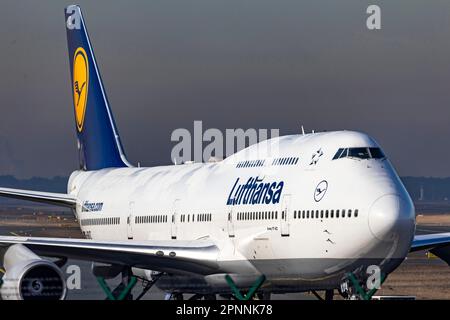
(376, 153)
(341, 153)
(359, 153)
(338, 154)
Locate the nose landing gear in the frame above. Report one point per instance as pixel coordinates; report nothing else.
(354, 287)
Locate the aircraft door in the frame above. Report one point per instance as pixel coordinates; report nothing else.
(230, 223)
(285, 214)
(130, 220)
(174, 224)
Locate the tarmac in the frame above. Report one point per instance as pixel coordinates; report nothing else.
(419, 276)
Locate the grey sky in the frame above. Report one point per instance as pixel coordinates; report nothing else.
(247, 63)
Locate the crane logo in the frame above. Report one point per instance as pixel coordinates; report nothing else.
(320, 191)
(80, 85)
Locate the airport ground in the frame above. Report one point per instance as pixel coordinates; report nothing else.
(421, 276)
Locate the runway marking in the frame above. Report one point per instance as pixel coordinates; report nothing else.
(15, 234)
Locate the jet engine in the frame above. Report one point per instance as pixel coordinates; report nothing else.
(30, 277)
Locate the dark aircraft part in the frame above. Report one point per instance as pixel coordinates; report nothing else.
(148, 285)
(29, 277)
(443, 253)
(106, 271)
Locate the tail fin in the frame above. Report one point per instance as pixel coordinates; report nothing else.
(99, 144)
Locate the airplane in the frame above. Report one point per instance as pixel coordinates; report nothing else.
(312, 216)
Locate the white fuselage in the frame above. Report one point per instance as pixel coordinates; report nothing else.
(283, 208)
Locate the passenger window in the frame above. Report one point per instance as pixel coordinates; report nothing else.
(332, 214)
(321, 214)
(326, 214)
(356, 213)
(337, 213)
(349, 214)
(343, 213)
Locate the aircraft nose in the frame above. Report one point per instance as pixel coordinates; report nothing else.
(390, 215)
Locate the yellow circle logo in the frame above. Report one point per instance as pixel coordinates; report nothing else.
(80, 85)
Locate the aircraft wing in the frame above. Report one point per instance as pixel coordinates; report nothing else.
(436, 243)
(173, 256)
(427, 241)
(59, 199)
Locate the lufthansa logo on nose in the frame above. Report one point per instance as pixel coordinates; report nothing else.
(80, 85)
(320, 191)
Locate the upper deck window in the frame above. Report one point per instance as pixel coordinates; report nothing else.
(359, 153)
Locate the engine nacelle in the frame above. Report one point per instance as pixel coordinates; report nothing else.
(29, 277)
